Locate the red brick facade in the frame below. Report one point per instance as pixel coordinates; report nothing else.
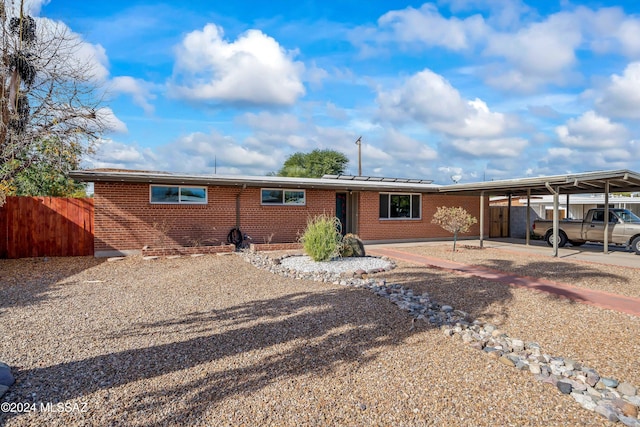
(371, 227)
(125, 220)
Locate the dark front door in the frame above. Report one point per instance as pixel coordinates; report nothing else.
(341, 210)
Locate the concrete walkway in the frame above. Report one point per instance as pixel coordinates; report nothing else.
(600, 299)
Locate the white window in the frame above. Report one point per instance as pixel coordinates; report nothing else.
(400, 206)
(177, 194)
(279, 196)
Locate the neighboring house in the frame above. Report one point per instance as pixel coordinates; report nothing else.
(136, 209)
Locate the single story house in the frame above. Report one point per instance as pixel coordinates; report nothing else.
(135, 209)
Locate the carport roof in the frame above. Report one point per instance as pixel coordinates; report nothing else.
(578, 183)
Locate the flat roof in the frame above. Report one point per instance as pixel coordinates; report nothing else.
(333, 182)
(578, 183)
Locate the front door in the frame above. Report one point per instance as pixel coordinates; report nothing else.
(341, 211)
(347, 211)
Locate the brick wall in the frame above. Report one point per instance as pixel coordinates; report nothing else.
(125, 220)
(371, 227)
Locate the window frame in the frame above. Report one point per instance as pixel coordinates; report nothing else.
(284, 191)
(411, 207)
(180, 201)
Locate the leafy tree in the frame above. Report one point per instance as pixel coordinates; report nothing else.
(48, 175)
(49, 111)
(314, 164)
(454, 220)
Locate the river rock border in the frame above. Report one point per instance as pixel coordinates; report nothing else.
(615, 400)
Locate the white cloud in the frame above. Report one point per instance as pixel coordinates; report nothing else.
(429, 28)
(117, 155)
(406, 148)
(138, 89)
(502, 147)
(254, 69)
(205, 153)
(429, 98)
(592, 131)
(542, 51)
(113, 124)
(621, 97)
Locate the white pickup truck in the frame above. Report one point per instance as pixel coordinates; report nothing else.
(624, 229)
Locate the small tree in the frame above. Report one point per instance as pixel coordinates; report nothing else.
(454, 220)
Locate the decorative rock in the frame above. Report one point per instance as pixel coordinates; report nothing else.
(521, 365)
(495, 354)
(518, 345)
(633, 399)
(609, 382)
(446, 308)
(6, 378)
(534, 368)
(584, 400)
(627, 389)
(628, 421)
(506, 361)
(606, 412)
(564, 387)
(627, 408)
(592, 378)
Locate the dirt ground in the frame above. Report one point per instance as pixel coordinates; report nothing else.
(214, 341)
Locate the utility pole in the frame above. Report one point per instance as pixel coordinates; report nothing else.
(359, 144)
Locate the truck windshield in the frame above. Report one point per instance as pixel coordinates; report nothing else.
(628, 216)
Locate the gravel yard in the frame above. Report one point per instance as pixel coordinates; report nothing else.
(214, 341)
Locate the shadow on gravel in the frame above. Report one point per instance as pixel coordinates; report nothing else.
(28, 281)
(476, 296)
(564, 272)
(235, 351)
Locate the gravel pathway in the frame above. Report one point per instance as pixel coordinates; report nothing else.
(214, 341)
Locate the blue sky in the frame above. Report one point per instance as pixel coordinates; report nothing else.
(481, 89)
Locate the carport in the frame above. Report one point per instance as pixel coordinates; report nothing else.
(614, 181)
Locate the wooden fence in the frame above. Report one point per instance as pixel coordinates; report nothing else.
(46, 226)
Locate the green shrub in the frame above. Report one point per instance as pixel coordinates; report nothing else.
(322, 239)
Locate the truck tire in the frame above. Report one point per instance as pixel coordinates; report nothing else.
(635, 245)
(561, 242)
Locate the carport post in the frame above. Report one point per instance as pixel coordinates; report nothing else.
(606, 217)
(556, 221)
(527, 238)
(482, 219)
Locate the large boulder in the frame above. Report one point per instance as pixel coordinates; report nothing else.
(352, 246)
(6, 378)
